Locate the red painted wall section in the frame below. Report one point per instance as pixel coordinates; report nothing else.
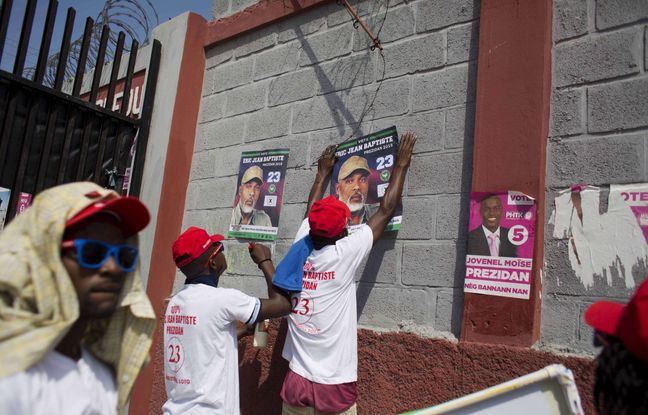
(149, 388)
(398, 372)
(258, 15)
(511, 127)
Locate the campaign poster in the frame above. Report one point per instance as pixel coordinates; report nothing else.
(258, 196)
(636, 197)
(501, 235)
(4, 205)
(361, 175)
(24, 201)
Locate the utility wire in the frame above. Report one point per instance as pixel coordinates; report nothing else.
(384, 65)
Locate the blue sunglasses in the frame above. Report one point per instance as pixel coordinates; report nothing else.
(93, 254)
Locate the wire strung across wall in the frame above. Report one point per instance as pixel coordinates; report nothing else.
(375, 45)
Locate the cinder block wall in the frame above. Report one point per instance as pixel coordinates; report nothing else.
(310, 81)
(223, 8)
(598, 136)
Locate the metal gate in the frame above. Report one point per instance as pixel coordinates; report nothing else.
(49, 137)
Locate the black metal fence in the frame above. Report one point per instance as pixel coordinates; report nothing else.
(49, 137)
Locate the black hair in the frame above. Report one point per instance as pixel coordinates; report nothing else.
(488, 196)
(621, 385)
(197, 267)
(320, 242)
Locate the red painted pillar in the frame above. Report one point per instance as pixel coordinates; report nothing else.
(172, 203)
(511, 129)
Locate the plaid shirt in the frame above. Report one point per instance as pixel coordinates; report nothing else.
(38, 303)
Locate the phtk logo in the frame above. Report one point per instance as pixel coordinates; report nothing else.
(384, 175)
(308, 266)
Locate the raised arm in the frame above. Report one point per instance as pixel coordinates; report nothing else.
(392, 197)
(325, 165)
(278, 302)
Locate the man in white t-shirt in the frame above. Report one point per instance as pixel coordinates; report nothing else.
(200, 332)
(75, 324)
(322, 329)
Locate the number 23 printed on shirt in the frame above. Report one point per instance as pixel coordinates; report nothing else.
(302, 307)
(175, 354)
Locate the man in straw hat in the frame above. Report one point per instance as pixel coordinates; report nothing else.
(244, 213)
(75, 323)
(322, 329)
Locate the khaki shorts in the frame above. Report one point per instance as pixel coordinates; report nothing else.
(307, 410)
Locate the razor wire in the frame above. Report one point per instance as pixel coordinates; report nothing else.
(136, 18)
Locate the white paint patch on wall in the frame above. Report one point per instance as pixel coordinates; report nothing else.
(600, 244)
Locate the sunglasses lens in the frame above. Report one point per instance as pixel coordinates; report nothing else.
(127, 256)
(93, 253)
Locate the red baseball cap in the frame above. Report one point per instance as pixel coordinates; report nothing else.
(133, 216)
(627, 322)
(328, 217)
(191, 244)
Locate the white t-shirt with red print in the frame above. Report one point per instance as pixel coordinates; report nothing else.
(322, 341)
(200, 349)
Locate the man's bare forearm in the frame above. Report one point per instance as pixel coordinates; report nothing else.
(394, 192)
(389, 202)
(268, 269)
(278, 302)
(317, 190)
(392, 197)
(325, 164)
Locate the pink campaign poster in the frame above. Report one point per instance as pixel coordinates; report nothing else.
(501, 234)
(636, 196)
(24, 201)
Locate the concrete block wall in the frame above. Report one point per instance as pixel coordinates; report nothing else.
(310, 81)
(598, 136)
(224, 8)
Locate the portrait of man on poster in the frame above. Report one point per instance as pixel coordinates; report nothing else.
(491, 239)
(352, 188)
(245, 212)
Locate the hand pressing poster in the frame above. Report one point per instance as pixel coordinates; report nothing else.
(501, 237)
(361, 175)
(257, 202)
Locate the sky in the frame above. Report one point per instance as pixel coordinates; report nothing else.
(166, 9)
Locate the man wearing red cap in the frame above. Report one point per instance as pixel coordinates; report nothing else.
(322, 329)
(622, 371)
(200, 334)
(75, 323)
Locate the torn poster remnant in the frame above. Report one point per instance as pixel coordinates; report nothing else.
(613, 242)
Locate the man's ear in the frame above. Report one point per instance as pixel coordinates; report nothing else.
(213, 263)
(337, 189)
